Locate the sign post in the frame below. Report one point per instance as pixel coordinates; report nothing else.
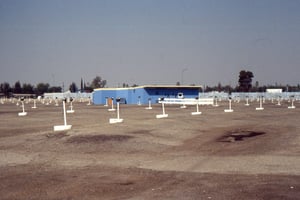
(116, 120)
(65, 126)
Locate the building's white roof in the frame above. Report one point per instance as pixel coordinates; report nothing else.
(152, 86)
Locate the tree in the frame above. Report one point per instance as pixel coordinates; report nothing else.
(5, 89)
(82, 85)
(18, 88)
(245, 81)
(87, 87)
(98, 82)
(42, 88)
(219, 87)
(28, 88)
(55, 89)
(73, 87)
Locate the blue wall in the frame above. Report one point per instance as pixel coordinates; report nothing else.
(142, 94)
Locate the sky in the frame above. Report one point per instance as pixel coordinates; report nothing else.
(203, 42)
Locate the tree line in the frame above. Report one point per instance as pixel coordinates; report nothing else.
(256, 88)
(245, 85)
(26, 88)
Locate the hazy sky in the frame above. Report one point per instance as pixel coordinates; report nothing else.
(149, 41)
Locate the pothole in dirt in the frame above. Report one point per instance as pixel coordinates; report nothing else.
(99, 138)
(239, 135)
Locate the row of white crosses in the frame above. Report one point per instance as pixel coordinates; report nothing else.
(23, 113)
(63, 127)
(164, 115)
(261, 100)
(56, 128)
(119, 120)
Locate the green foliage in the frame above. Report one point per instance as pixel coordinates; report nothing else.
(98, 83)
(245, 81)
(55, 89)
(42, 88)
(125, 85)
(27, 88)
(81, 85)
(73, 87)
(5, 89)
(17, 89)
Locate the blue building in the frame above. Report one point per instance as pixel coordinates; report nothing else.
(142, 94)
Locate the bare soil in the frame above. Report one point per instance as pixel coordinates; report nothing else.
(246, 154)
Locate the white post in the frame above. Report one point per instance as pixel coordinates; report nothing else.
(292, 106)
(65, 117)
(183, 106)
(118, 110)
(215, 102)
(260, 103)
(65, 126)
(112, 105)
(197, 112)
(163, 109)
(149, 107)
(247, 101)
(229, 110)
(23, 113)
(34, 103)
(197, 107)
(116, 120)
(106, 101)
(71, 107)
(23, 107)
(278, 101)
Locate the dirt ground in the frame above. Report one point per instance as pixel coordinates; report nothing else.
(246, 154)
